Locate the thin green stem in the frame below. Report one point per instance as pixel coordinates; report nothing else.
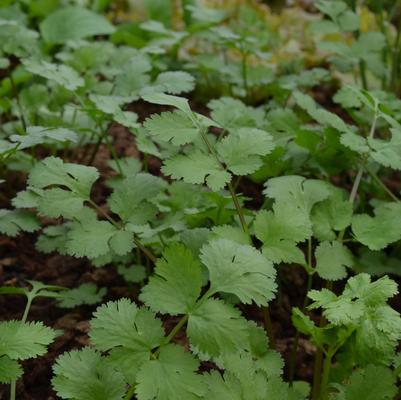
(325, 375)
(137, 242)
(382, 185)
(13, 390)
(27, 308)
(317, 374)
(130, 394)
(362, 71)
(94, 151)
(360, 172)
(238, 209)
(304, 305)
(145, 250)
(269, 327)
(13, 384)
(229, 185)
(176, 329)
(17, 99)
(172, 334)
(244, 67)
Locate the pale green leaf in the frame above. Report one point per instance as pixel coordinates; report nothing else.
(331, 260)
(72, 23)
(20, 341)
(172, 126)
(379, 231)
(61, 74)
(86, 293)
(240, 270)
(197, 168)
(173, 375)
(176, 285)
(10, 370)
(84, 375)
(12, 222)
(215, 328)
(242, 151)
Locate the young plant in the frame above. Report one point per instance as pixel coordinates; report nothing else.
(22, 340)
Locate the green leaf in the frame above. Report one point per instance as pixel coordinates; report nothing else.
(172, 376)
(378, 335)
(56, 202)
(331, 260)
(240, 270)
(42, 135)
(346, 98)
(52, 171)
(197, 167)
(86, 293)
(176, 285)
(167, 100)
(10, 370)
(387, 153)
(306, 326)
(216, 328)
(174, 82)
(122, 242)
(12, 222)
(375, 382)
(333, 214)
(297, 192)
(338, 310)
(379, 231)
(319, 114)
(122, 324)
(20, 341)
(132, 273)
(280, 232)
(373, 293)
(92, 238)
(73, 23)
(242, 151)
(84, 375)
(174, 127)
(232, 114)
(290, 222)
(229, 232)
(61, 74)
(131, 200)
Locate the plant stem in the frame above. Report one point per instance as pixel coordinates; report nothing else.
(325, 375)
(244, 68)
(238, 209)
(358, 178)
(265, 310)
(17, 99)
(145, 250)
(229, 185)
(382, 185)
(13, 384)
(359, 174)
(13, 390)
(362, 71)
(304, 305)
(27, 308)
(356, 184)
(176, 329)
(317, 372)
(137, 242)
(269, 327)
(130, 393)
